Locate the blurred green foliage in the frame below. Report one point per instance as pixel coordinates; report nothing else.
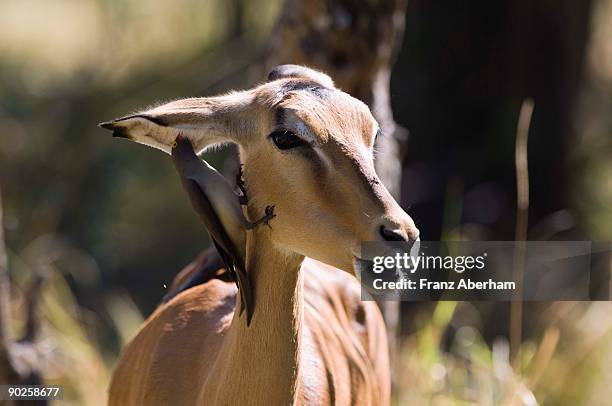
(68, 65)
(102, 216)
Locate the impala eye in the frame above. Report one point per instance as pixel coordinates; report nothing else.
(285, 139)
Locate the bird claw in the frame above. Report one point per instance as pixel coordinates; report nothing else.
(265, 219)
(269, 215)
(243, 200)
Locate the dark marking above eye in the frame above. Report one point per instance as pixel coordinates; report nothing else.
(280, 116)
(307, 85)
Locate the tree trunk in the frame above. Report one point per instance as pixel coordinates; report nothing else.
(355, 42)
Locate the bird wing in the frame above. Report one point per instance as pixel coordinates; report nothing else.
(201, 181)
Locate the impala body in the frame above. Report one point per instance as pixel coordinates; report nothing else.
(307, 149)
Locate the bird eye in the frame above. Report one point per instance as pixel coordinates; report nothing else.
(285, 139)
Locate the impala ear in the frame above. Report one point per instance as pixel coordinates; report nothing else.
(204, 121)
(301, 72)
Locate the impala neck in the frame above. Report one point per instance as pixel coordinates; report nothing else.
(264, 357)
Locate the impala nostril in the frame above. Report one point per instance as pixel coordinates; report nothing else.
(391, 235)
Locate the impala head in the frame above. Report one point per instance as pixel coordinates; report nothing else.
(306, 148)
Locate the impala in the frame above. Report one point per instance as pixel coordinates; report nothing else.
(305, 338)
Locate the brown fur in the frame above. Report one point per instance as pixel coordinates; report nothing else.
(311, 340)
(344, 358)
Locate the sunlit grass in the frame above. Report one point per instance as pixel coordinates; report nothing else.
(567, 364)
